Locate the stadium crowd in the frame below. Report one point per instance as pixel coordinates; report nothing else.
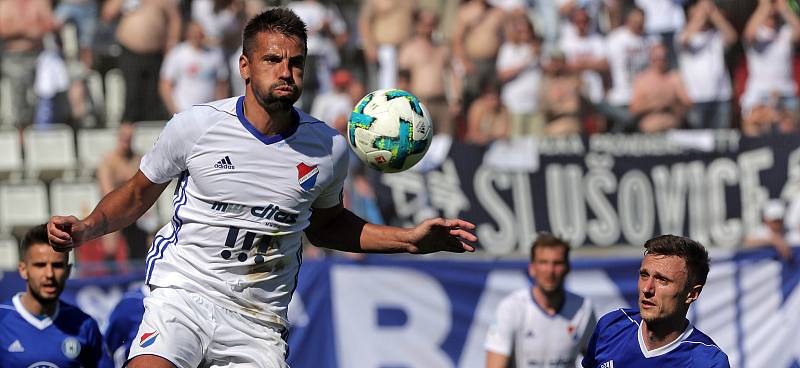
(486, 69)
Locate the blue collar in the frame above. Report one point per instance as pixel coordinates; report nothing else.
(267, 139)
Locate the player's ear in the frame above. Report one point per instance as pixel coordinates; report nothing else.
(244, 68)
(530, 269)
(23, 270)
(694, 293)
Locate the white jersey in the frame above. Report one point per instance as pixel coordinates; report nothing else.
(702, 67)
(241, 203)
(194, 72)
(537, 339)
(628, 54)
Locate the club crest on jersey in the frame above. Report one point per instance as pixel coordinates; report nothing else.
(148, 339)
(307, 175)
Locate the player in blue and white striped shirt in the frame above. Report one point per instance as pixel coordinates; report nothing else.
(671, 277)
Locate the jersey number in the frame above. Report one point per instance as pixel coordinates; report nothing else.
(263, 245)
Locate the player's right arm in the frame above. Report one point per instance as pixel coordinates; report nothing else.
(115, 211)
(500, 336)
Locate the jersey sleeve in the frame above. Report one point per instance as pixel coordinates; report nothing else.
(92, 353)
(500, 337)
(168, 157)
(588, 328)
(332, 194)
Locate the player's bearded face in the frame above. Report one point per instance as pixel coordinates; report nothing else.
(46, 271)
(276, 70)
(662, 288)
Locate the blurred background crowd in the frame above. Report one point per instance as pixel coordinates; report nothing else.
(87, 78)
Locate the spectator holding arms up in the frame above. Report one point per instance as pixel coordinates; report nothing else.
(701, 59)
(769, 39)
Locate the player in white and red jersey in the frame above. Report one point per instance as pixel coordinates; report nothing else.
(544, 326)
(253, 173)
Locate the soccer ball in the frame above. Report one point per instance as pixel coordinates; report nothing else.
(390, 130)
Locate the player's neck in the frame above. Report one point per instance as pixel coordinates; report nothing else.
(36, 308)
(661, 333)
(549, 302)
(266, 122)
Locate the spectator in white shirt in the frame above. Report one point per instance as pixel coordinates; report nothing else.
(193, 73)
(334, 106)
(701, 60)
(769, 39)
(627, 51)
(663, 19)
(585, 52)
(519, 69)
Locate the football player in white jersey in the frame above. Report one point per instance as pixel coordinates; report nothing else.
(544, 326)
(253, 174)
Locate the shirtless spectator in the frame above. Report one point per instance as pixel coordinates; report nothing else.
(585, 51)
(117, 167)
(519, 68)
(147, 30)
(476, 40)
(769, 38)
(487, 118)
(384, 25)
(427, 63)
(701, 58)
(193, 73)
(627, 51)
(561, 100)
(659, 98)
(23, 25)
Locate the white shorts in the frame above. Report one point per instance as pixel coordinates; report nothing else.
(190, 331)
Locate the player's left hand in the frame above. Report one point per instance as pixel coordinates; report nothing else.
(438, 234)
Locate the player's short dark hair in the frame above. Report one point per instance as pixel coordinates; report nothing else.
(547, 240)
(277, 20)
(35, 235)
(692, 252)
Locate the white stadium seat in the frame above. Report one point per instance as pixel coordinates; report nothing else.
(114, 97)
(10, 153)
(73, 198)
(93, 145)
(9, 253)
(49, 153)
(22, 205)
(145, 135)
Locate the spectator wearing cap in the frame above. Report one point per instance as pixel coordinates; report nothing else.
(772, 231)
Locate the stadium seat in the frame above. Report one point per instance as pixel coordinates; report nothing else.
(94, 87)
(22, 205)
(69, 41)
(114, 97)
(10, 154)
(93, 145)
(49, 153)
(73, 198)
(146, 134)
(6, 111)
(9, 253)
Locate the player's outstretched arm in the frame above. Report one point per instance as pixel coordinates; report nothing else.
(116, 210)
(338, 228)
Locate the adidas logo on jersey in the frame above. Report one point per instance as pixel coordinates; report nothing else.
(15, 347)
(225, 163)
(608, 364)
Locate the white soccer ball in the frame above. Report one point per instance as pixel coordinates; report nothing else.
(390, 130)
